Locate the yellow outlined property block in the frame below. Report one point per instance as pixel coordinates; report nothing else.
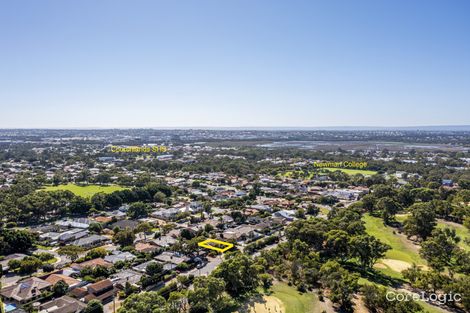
(208, 244)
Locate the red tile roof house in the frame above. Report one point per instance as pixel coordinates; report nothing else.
(103, 290)
(55, 278)
(91, 263)
(28, 290)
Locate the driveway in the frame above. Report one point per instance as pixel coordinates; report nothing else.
(206, 269)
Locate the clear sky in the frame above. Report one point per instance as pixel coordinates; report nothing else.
(96, 63)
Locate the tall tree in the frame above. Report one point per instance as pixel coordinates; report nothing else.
(239, 273)
(421, 222)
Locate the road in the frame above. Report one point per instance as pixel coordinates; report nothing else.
(206, 269)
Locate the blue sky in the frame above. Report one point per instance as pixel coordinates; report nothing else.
(96, 63)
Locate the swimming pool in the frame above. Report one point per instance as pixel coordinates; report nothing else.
(10, 307)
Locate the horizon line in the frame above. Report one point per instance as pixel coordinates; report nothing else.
(350, 127)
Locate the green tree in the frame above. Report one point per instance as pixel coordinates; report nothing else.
(79, 205)
(266, 280)
(143, 302)
(367, 249)
(421, 222)
(239, 273)
(341, 283)
(154, 269)
(336, 244)
(95, 228)
(439, 249)
(94, 306)
(389, 208)
(124, 237)
(29, 265)
(96, 253)
(12, 241)
(138, 210)
(208, 295)
(98, 200)
(71, 251)
(60, 288)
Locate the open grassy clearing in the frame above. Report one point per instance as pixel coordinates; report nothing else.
(296, 302)
(350, 171)
(460, 230)
(85, 191)
(403, 252)
(432, 308)
(283, 298)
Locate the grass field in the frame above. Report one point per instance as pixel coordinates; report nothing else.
(351, 171)
(403, 252)
(85, 191)
(460, 230)
(294, 301)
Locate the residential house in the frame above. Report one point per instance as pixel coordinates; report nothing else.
(171, 257)
(288, 215)
(55, 278)
(164, 241)
(126, 276)
(117, 256)
(91, 241)
(71, 235)
(123, 224)
(240, 233)
(166, 214)
(141, 268)
(83, 223)
(91, 264)
(25, 291)
(103, 291)
(145, 247)
(64, 304)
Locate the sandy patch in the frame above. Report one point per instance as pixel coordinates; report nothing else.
(396, 265)
(269, 304)
(380, 265)
(359, 306)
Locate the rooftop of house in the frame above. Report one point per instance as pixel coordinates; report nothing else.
(123, 224)
(55, 278)
(125, 276)
(145, 247)
(25, 289)
(164, 241)
(91, 263)
(170, 257)
(89, 240)
(100, 286)
(64, 304)
(117, 256)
